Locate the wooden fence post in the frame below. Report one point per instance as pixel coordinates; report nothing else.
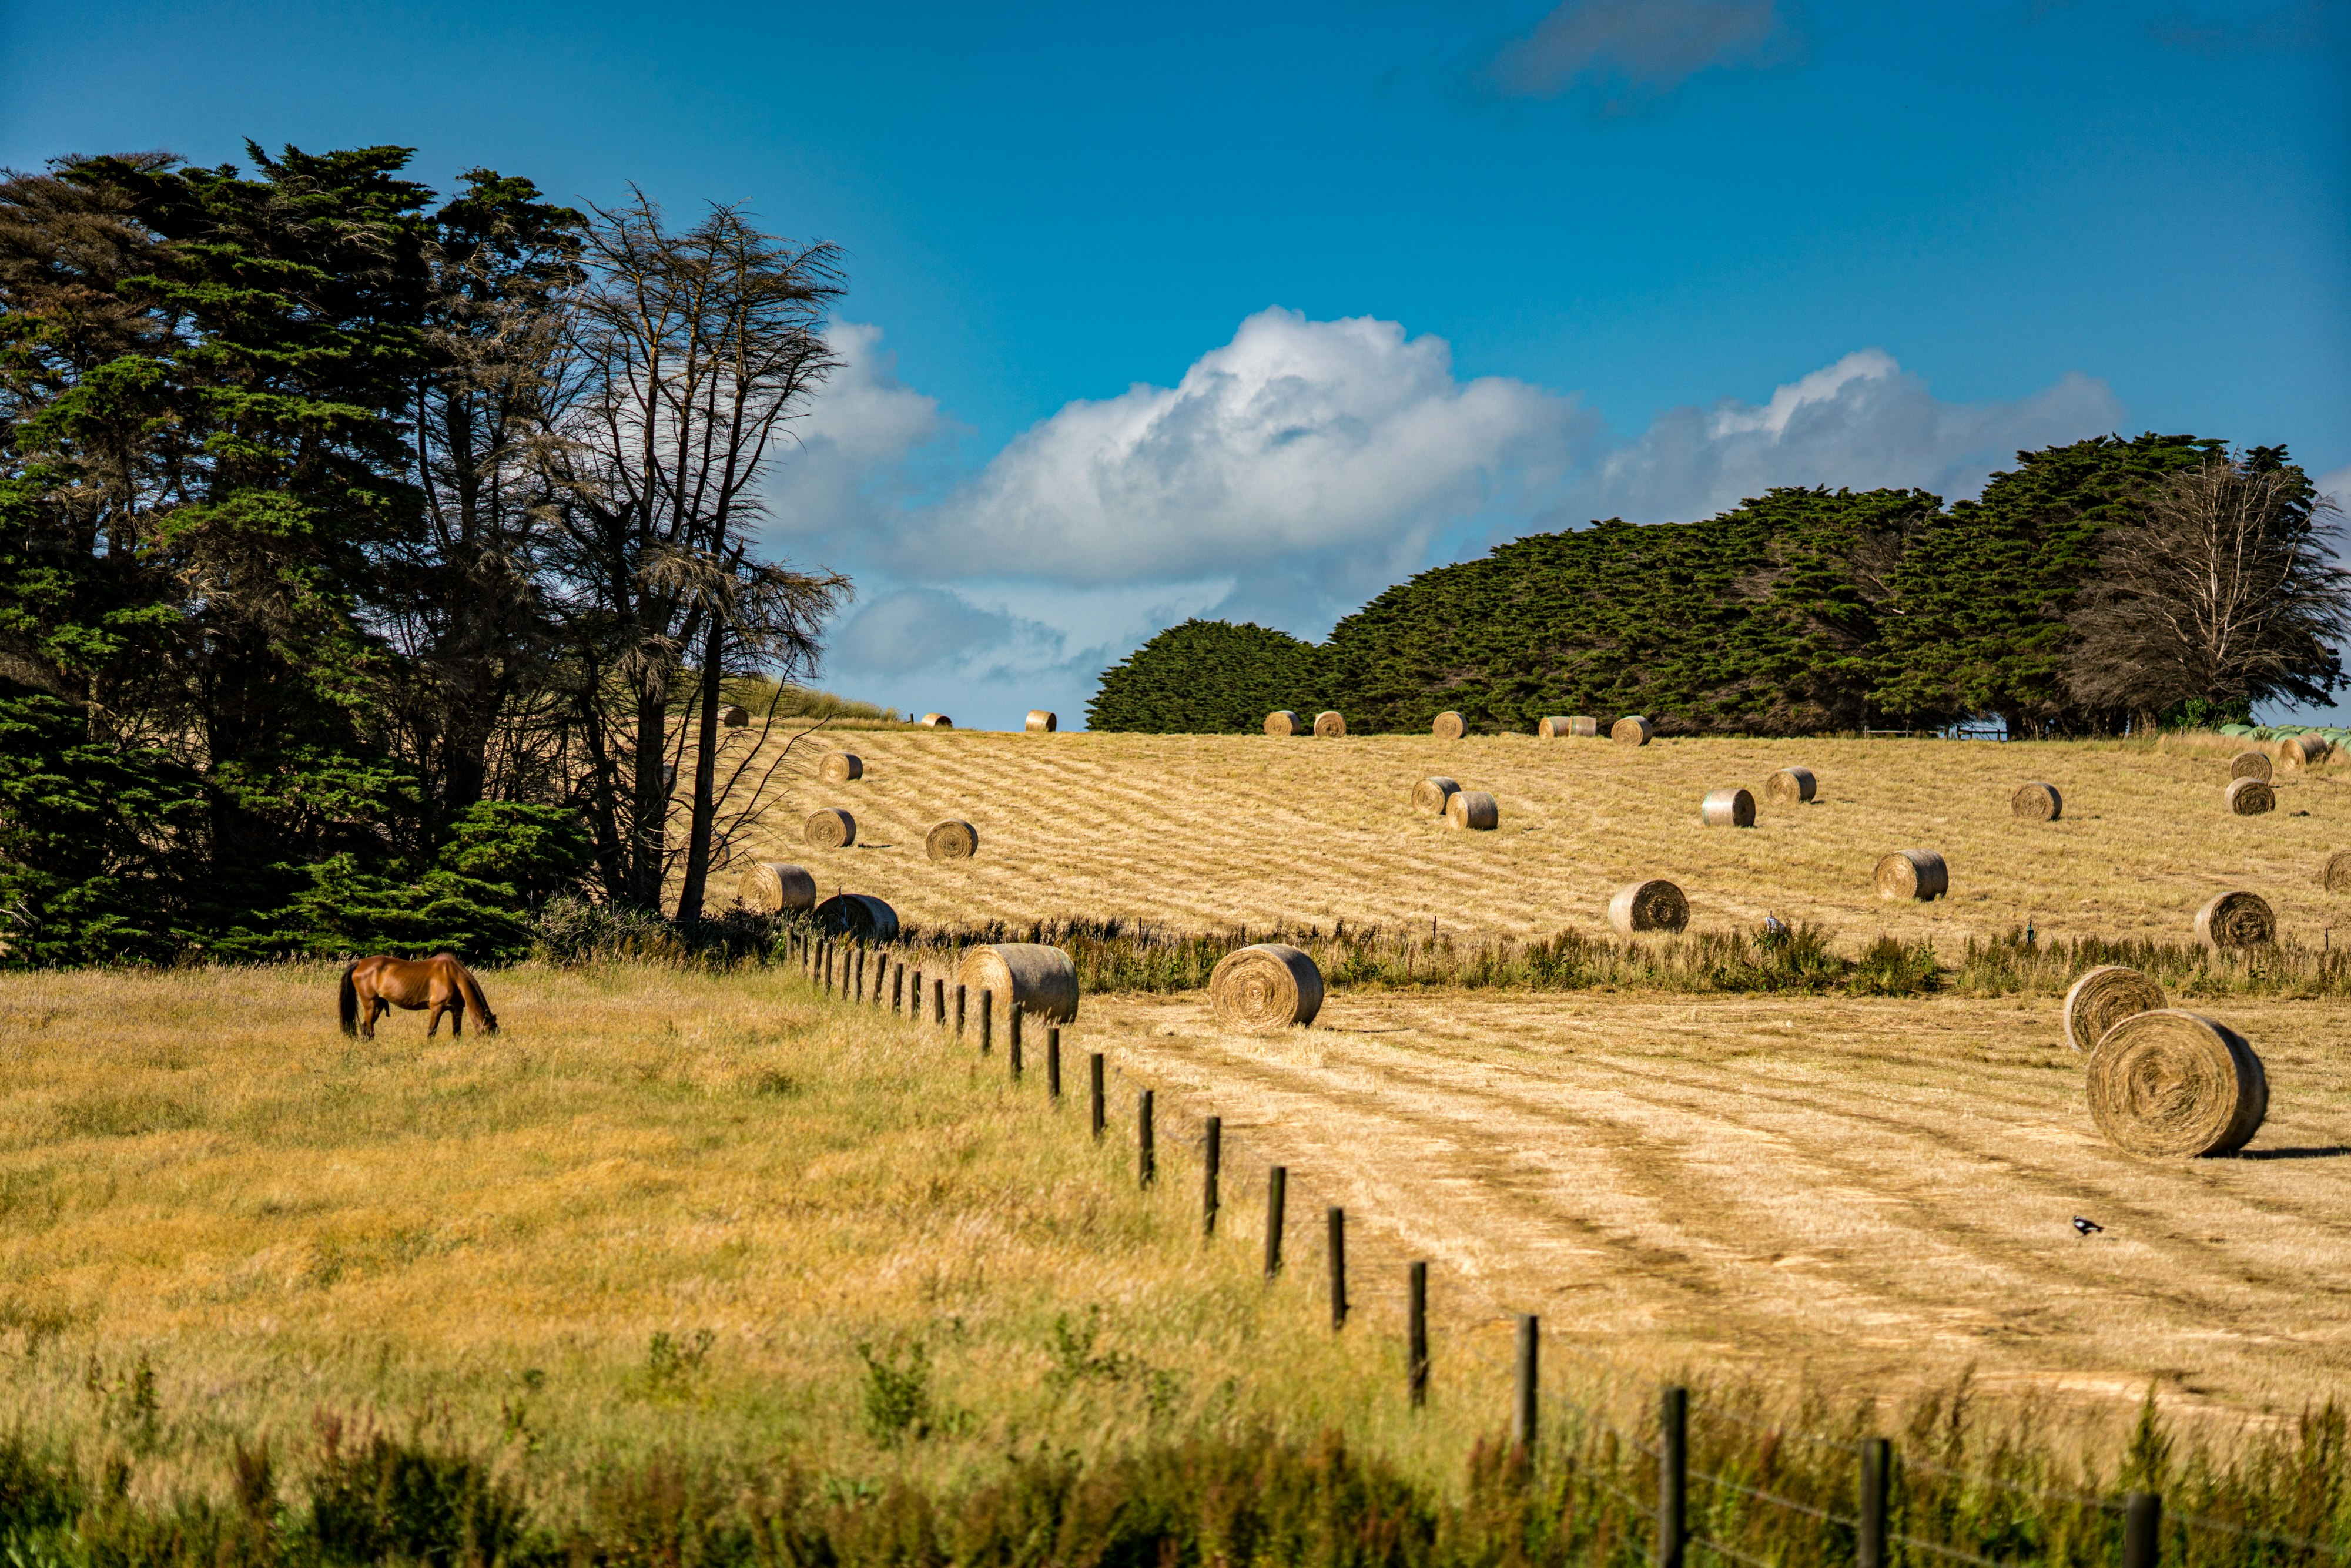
(1673, 1477)
(1524, 1427)
(1212, 1163)
(1876, 1471)
(1415, 1334)
(1095, 1071)
(986, 1021)
(860, 994)
(2142, 1529)
(1337, 1248)
(1012, 1045)
(1277, 1186)
(1147, 1168)
(939, 1003)
(959, 990)
(1054, 1062)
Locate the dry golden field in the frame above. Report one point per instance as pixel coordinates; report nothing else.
(657, 1214)
(1208, 832)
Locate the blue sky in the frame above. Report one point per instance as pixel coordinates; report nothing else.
(1252, 310)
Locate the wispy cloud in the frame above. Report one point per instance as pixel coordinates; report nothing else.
(1631, 48)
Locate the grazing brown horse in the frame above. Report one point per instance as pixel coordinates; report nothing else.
(439, 982)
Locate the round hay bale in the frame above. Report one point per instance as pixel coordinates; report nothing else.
(1027, 976)
(952, 839)
(1271, 986)
(734, 718)
(859, 917)
(1431, 795)
(2334, 876)
(1632, 731)
(1653, 905)
(771, 887)
(2291, 755)
(1043, 721)
(1281, 721)
(2036, 803)
(2173, 1083)
(2104, 996)
(2236, 919)
(2250, 796)
(1790, 787)
(1558, 728)
(1730, 808)
(1472, 808)
(1917, 874)
(2315, 745)
(841, 767)
(831, 829)
(937, 721)
(1583, 726)
(2250, 765)
(1329, 722)
(1448, 726)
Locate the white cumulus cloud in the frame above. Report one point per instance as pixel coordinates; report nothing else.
(1861, 423)
(843, 467)
(1303, 447)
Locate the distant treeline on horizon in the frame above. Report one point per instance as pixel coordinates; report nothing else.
(2097, 586)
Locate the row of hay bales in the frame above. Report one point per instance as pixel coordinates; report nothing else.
(1631, 730)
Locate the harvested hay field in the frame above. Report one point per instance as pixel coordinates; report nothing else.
(1201, 832)
(1865, 1193)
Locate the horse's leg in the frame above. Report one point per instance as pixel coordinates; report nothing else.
(456, 1012)
(375, 1005)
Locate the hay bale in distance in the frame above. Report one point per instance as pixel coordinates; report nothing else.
(1268, 986)
(1281, 721)
(734, 718)
(1037, 980)
(841, 767)
(937, 721)
(1431, 795)
(1632, 731)
(2250, 796)
(2250, 765)
(1728, 808)
(1584, 726)
(2334, 876)
(2036, 803)
(952, 839)
(2171, 1083)
(1919, 875)
(1790, 787)
(1558, 728)
(2236, 919)
(831, 829)
(2315, 747)
(772, 887)
(1448, 726)
(1472, 808)
(1653, 905)
(859, 917)
(1329, 722)
(2102, 998)
(1043, 721)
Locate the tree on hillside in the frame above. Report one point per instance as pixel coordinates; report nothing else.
(1207, 678)
(2226, 589)
(694, 349)
(1976, 618)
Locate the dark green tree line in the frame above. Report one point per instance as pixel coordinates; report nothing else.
(2097, 585)
(298, 649)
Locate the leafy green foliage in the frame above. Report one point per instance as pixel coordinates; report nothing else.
(1208, 678)
(1798, 612)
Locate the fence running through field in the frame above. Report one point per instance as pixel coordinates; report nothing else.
(839, 970)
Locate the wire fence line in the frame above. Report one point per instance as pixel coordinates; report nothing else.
(826, 964)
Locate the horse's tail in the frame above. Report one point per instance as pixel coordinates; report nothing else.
(349, 1001)
(474, 998)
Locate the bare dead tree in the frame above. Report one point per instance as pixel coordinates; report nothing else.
(2228, 590)
(695, 349)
